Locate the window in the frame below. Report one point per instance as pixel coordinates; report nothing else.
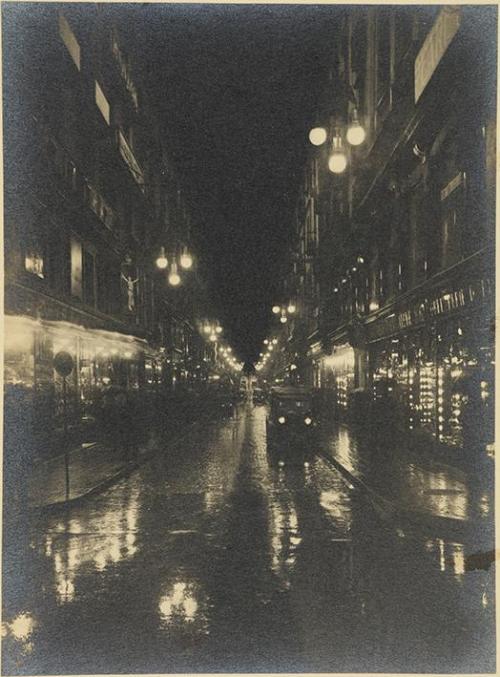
(70, 42)
(83, 272)
(89, 278)
(76, 268)
(102, 102)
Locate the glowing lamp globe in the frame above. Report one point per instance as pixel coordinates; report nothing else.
(174, 279)
(276, 309)
(186, 261)
(355, 134)
(283, 319)
(162, 261)
(317, 136)
(291, 308)
(337, 162)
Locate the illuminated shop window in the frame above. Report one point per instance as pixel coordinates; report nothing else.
(429, 395)
(70, 42)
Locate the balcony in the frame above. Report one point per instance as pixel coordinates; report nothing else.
(129, 158)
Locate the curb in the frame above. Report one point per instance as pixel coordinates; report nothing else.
(126, 470)
(109, 481)
(387, 509)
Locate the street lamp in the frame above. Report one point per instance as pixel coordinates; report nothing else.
(276, 309)
(337, 162)
(162, 261)
(186, 259)
(174, 278)
(355, 135)
(318, 136)
(355, 132)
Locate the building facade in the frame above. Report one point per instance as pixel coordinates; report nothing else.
(90, 198)
(396, 245)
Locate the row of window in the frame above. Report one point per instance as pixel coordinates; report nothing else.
(125, 142)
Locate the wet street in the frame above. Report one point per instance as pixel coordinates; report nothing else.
(211, 558)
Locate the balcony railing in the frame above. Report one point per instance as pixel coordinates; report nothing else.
(128, 156)
(76, 185)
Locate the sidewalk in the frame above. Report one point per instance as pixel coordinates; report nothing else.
(401, 482)
(92, 466)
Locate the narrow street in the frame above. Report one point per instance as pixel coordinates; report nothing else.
(209, 558)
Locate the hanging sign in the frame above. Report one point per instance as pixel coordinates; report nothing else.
(435, 45)
(63, 363)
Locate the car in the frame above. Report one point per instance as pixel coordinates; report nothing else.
(258, 395)
(292, 424)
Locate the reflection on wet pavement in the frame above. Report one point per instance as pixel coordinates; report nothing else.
(431, 488)
(210, 558)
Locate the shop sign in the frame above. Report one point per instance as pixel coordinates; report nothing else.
(63, 363)
(441, 302)
(435, 45)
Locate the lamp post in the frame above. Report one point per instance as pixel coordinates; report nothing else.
(185, 261)
(284, 311)
(354, 135)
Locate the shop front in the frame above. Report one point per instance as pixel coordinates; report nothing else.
(433, 361)
(100, 359)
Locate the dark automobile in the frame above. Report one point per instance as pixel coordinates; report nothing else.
(258, 395)
(291, 425)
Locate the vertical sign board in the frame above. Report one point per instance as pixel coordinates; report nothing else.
(435, 45)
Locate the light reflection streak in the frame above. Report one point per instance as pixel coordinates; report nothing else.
(437, 492)
(285, 537)
(179, 605)
(101, 539)
(451, 556)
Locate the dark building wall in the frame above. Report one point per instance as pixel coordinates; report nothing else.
(404, 254)
(90, 196)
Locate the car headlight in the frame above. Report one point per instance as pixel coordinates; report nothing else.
(281, 419)
(308, 420)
